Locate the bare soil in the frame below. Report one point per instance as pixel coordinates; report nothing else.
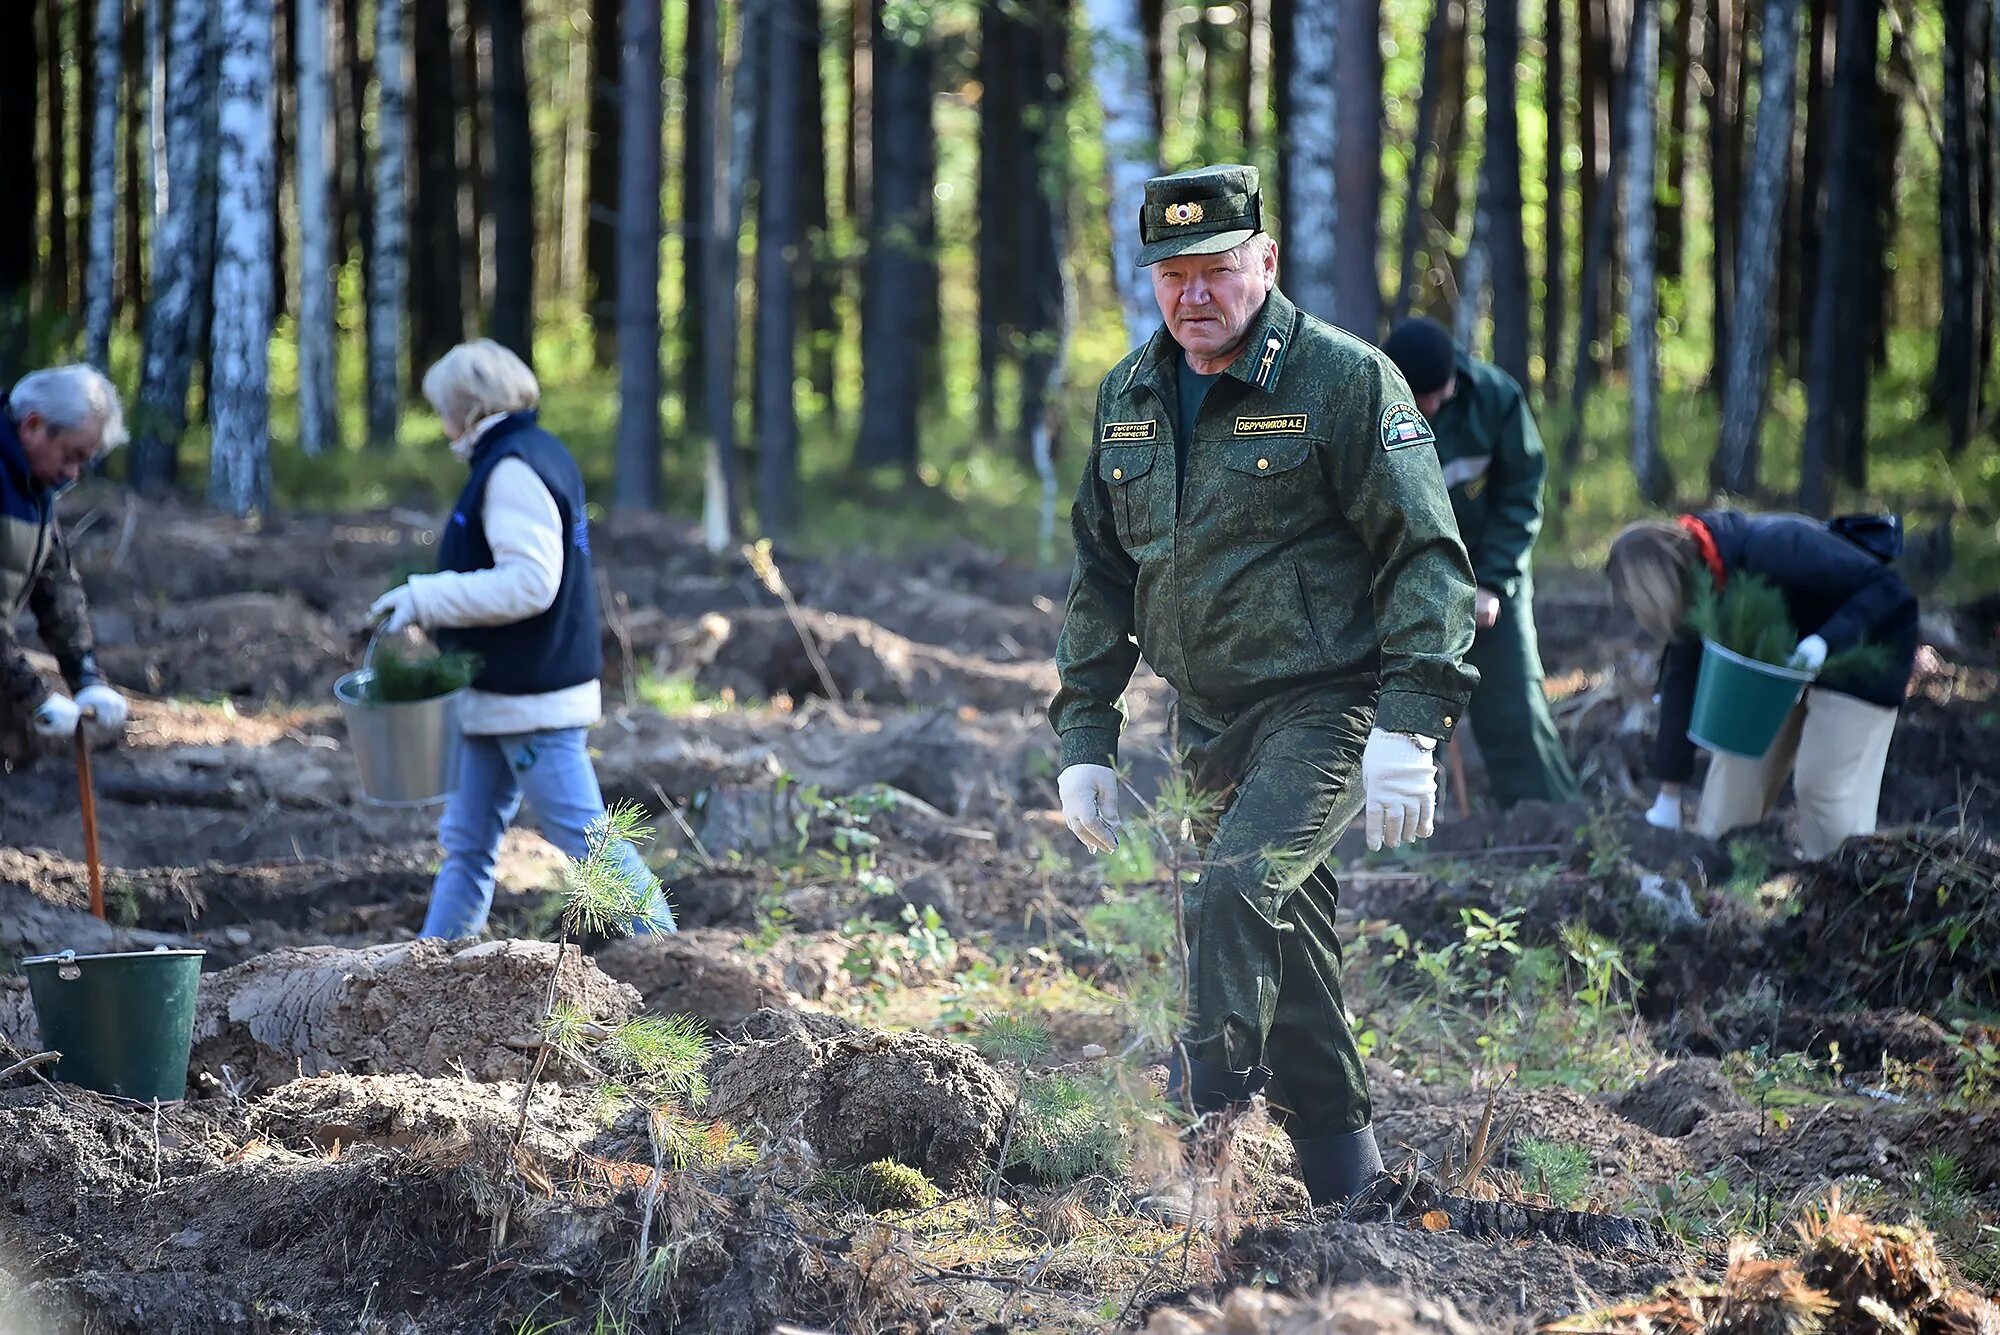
(346, 1160)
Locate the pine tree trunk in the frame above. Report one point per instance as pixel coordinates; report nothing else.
(19, 61)
(1503, 166)
(1152, 17)
(135, 178)
(821, 321)
(1001, 52)
(1357, 169)
(1837, 367)
(1256, 76)
(1131, 149)
(856, 182)
(1747, 379)
(777, 278)
(472, 123)
(1670, 223)
(206, 225)
(1725, 112)
(160, 418)
(1408, 279)
(1955, 381)
(319, 424)
(100, 274)
(605, 177)
(1642, 310)
(701, 65)
(1045, 298)
(240, 467)
(388, 259)
(1310, 144)
(1799, 259)
(360, 186)
(57, 292)
(437, 296)
(513, 319)
(638, 78)
(1555, 277)
(1887, 133)
(722, 504)
(1447, 196)
(899, 283)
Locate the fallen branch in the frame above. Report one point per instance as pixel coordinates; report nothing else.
(39, 1059)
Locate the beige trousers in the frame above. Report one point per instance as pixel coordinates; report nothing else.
(1833, 747)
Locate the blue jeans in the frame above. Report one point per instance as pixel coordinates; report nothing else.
(552, 770)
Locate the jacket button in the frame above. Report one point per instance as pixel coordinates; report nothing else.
(1447, 720)
(1263, 464)
(1117, 473)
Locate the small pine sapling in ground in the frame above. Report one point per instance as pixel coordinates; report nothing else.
(1561, 1173)
(1013, 1042)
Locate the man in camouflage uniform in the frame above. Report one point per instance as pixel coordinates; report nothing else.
(52, 424)
(1263, 519)
(1493, 465)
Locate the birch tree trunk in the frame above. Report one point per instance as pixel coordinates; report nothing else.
(171, 319)
(1308, 143)
(1131, 149)
(319, 422)
(388, 261)
(240, 467)
(100, 273)
(1747, 374)
(1642, 302)
(638, 257)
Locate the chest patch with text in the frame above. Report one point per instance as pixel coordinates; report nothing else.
(1115, 432)
(1403, 425)
(1290, 424)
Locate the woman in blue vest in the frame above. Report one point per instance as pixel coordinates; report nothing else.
(513, 587)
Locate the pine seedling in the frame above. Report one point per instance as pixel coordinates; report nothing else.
(1067, 1132)
(662, 1054)
(399, 678)
(1014, 1042)
(601, 896)
(1749, 617)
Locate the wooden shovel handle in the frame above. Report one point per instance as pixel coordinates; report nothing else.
(87, 792)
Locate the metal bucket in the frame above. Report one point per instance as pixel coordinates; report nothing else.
(123, 1022)
(407, 752)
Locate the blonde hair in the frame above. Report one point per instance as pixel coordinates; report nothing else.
(1649, 568)
(478, 379)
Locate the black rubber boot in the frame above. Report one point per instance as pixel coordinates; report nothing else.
(1336, 1167)
(1204, 1087)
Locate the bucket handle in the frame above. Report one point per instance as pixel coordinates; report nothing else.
(66, 967)
(374, 638)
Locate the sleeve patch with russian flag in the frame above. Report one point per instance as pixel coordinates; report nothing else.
(1403, 425)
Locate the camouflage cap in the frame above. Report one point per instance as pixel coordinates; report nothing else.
(1200, 212)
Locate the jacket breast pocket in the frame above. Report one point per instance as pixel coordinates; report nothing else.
(1268, 488)
(1125, 471)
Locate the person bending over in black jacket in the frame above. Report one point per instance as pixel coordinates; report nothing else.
(1839, 594)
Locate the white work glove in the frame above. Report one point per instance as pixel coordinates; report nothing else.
(56, 718)
(1485, 609)
(103, 710)
(397, 609)
(1090, 804)
(1399, 778)
(1665, 813)
(1810, 656)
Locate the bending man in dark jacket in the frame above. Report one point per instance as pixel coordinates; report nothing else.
(1262, 518)
(1493, 466)
(52, 424)
(1836, 741)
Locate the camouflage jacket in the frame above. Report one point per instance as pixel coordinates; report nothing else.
(1493, 465)
(1311, 543)
(35, 576)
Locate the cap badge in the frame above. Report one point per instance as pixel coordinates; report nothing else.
(1180, 215)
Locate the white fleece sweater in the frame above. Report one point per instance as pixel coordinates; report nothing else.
(524, 529)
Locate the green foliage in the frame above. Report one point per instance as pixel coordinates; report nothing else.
(1131, 932)
(677, 695)
(601, 893)
(1008, 1038)
(1978, 1061)
(662, 1055)
(1558, 1171)
(1750, 869)
(887, 1185)
(1944, 1188)
(424, 674)
(1067, 1130)
(1749, 617)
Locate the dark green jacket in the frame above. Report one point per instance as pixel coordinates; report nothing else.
(1493, 465)
(1310, 545)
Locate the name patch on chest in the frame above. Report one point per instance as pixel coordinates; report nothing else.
(1126, 431)
(1403, 425)
(1290, 424)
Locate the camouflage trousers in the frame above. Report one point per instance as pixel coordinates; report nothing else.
(1263, 959)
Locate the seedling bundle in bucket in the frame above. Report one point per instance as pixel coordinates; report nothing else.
(1749, 682)
(401, 712)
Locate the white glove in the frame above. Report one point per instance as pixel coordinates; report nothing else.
(1090, 804)
(56, 718)
(1400, 781)
(399, 606)
(1810, 656)
(1665, 813)
(103, 708)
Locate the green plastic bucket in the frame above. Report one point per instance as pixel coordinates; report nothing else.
(1740, 704)
(123, 1023)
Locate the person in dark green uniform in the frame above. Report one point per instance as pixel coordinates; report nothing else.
(1493, 464)
(1262, 519)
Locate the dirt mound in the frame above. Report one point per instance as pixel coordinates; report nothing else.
(1678, 1097)
(1813, 1146)
(1365, 1310)
(705, 972)
(1499, 1284)
(421, 1008)
(871, 1095)
(252, 646)
(1619, 1149)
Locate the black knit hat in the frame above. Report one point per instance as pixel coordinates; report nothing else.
(1422, 350)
